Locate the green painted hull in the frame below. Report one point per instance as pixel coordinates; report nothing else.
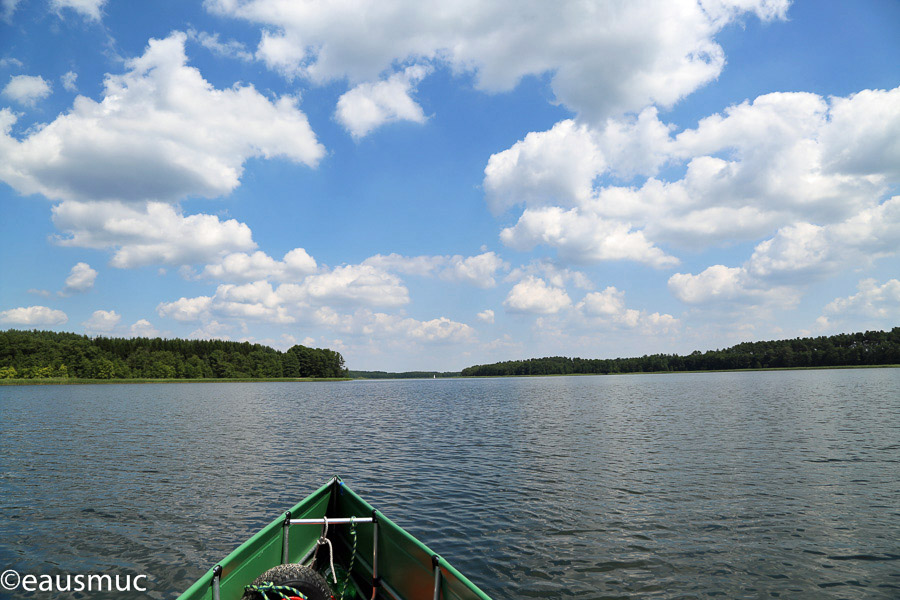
(405, 565)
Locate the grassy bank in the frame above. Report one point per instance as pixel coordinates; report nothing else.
(80, 381)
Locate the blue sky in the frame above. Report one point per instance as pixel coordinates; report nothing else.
(427, 187)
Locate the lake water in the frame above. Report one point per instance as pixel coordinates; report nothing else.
(731, 485)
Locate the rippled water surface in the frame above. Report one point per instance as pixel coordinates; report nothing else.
(733, 485)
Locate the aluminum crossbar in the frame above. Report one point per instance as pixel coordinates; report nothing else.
(335, 521)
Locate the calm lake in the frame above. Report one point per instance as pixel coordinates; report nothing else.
(731, 485)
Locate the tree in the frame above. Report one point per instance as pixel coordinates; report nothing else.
(102, 368)
(290, 365)
(317, 362)
(28, 354)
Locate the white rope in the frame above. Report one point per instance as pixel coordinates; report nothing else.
(321, 542)
(330, 556)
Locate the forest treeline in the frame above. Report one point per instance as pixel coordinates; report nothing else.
(41, 354)
(844, 350)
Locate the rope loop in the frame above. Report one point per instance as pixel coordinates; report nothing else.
(280, 592)
(322, 541)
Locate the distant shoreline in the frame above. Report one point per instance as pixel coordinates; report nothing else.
(836, 367)
(869, 348)
(401, 376)
(77, 381)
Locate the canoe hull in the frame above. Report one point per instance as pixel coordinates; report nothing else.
(406, 567)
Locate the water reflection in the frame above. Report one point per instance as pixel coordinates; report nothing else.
(662, 486)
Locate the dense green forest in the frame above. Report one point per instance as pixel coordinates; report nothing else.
(41, 354)
(45, 354)
(844, 350)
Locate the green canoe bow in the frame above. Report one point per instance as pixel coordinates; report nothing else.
(407, 569)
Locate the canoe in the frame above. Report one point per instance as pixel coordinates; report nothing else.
(388, 563)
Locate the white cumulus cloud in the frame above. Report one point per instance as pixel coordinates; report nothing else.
(532, 295)
(486, 315)
(69, 81)
(385, 327)
(873, 300)
(863, 134)
(228, 49)
(243, 267)
(714, 283)
(348, 285)
(761, 167)
(316, 300)
(607, 308)
(552, 273)
(33, 315)
(257, 300)
(370, 105)
(422, 266)
(797, 255)
(476, 270)
(143, 328)
(212, 331)
(555, 167)
(185, 309)
(479, 270)
(160, 133)
(581, 237)
(89, 9)
(155, 233)
(7, 8)
(603, 58)
(26, 90)
(102, 321)
(7, 62)
(81, 278)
